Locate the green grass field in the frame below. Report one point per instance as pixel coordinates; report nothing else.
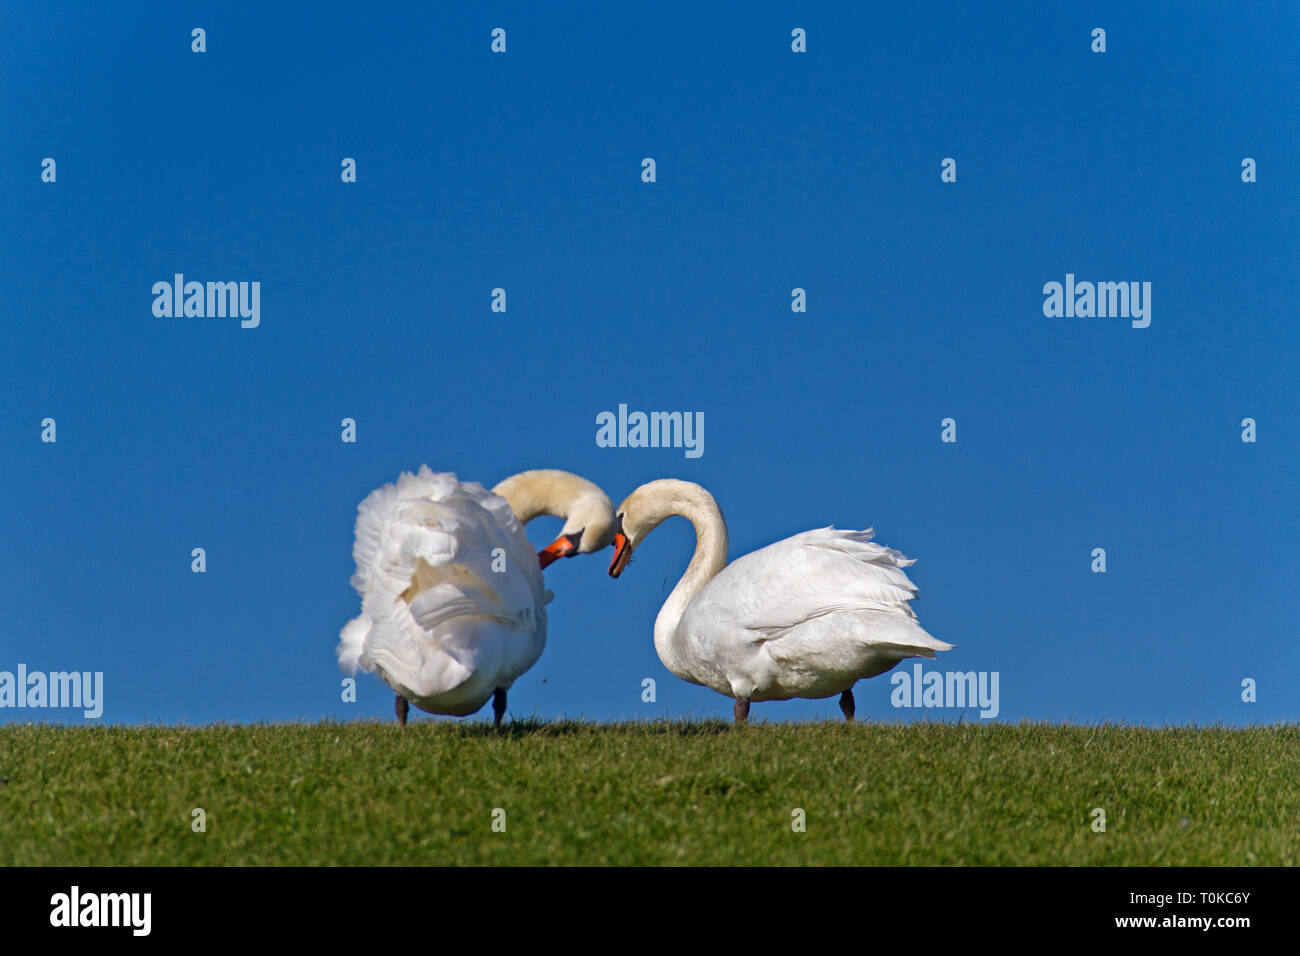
(658, 793)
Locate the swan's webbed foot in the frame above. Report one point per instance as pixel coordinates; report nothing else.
(847, 705)
(498, 707)
(401, 707)
(741, 710)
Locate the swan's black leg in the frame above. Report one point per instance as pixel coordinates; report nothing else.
(741, 709)
(498, 706)
(847, 706)
(401, 707)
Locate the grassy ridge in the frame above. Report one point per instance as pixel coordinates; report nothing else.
(649, 793)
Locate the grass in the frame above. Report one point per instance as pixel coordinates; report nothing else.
(649, 793)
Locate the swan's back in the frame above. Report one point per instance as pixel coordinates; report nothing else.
(451, 590)
(804, 616)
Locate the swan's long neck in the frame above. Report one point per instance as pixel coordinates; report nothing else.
(543, 491)
(696, 505)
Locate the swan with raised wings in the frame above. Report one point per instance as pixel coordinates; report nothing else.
(453, 605)
(807, 616)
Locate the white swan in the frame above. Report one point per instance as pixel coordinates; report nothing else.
(453, 603)
(808, 616)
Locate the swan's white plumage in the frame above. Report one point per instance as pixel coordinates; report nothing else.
(453, 601)
(806, 616)
(836, 570)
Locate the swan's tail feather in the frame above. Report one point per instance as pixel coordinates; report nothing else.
(902, 636)
(352, 643)
(925, 646)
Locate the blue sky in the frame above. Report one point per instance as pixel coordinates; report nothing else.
(775, 170)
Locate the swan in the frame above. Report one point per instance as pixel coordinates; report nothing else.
(807, 616)
(453, 603)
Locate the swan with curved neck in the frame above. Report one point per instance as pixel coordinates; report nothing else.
(453, 604)
(588, 512)
(807, 616)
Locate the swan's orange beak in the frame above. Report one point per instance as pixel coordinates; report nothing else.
(565, 546)
(622, 555)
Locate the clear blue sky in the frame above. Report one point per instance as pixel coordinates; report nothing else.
(775, 170)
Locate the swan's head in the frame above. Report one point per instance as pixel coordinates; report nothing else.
(649, 506)
(623, 545)
(588, 515)
(653, 504)
(588, 527)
